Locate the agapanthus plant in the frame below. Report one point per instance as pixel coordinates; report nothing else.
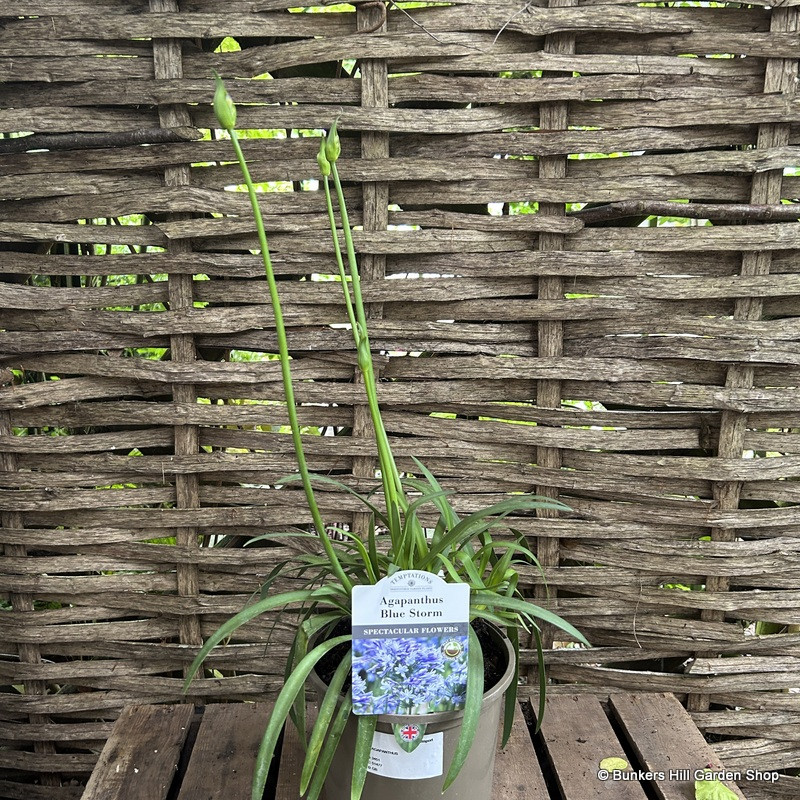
(461, 549)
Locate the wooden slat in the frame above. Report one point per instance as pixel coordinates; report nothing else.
(664, 736)
(577, 737)
(141, 755)
(517, 775)
(638, 333)
(224, 754)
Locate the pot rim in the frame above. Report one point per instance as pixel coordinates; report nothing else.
(445, 716)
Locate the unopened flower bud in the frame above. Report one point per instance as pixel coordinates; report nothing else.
(322, 160)
(333, 147)
(364, 355)
(224, 107)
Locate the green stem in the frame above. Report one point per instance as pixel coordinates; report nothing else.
(339, 263)
(392, 482)
(286, 375)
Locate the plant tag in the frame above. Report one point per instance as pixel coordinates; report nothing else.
(390, 761)
(410, 635)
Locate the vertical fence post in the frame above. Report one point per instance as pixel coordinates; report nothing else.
(167, 57)
(22, 602)
(780, 76)
(375, 198)
(553, 116)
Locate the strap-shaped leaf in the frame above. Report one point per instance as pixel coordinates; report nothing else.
(472, 709)
(329, 748)
(306, 630)
(496, 601)
(510, 702)
(364, 737)
(537, 638)
(244, 616)
(445, 509)
(326, 709)
(280, 711)
(479, 521)
(315, 478)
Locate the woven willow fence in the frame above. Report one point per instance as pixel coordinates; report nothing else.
(637, 360)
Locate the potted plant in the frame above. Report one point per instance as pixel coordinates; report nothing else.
(453, 551)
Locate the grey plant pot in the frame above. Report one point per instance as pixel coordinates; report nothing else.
(474, 782)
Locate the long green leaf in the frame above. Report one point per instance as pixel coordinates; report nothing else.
(335, 595)
(486, 554)
(492, 599)
(495, 619)
(280, 711)
(526, 551)
(451, 569)
(413, 533)
(362, 551)
(326, 710)
(372, 545)
(472, 709)
(315, 478)
(537, 638)
(473, 574)
(500, 567)
(329, 748)
(469, 527)
(364, 737)
(297, 652)
(299, 649)
(511, 693)
(244, 616)
(450, 516)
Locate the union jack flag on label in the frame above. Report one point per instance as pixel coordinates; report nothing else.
(409, 732)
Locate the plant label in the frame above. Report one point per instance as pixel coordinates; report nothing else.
(388, 760)
(410, 637)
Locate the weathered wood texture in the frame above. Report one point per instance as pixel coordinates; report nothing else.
(643, 372)
(179, 751)
(209, 754)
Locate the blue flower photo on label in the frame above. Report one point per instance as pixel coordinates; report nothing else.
(415, 675)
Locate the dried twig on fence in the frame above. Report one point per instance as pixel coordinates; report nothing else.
(725, 212)
(512, 18)
(88, 141)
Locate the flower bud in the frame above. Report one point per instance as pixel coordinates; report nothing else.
(322, 160)
(224, 107)
(364, 355)
(333, 147)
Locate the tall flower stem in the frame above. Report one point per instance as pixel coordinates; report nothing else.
(286, 375)
(339, 263)
(393, 489)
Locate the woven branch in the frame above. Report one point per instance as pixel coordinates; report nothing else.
(577, 355)
(723, 212)
(90, 141)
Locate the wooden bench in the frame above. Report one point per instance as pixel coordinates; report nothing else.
(179, 752)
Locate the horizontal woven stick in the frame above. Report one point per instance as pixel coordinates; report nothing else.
(728, 212)
(87, 141)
